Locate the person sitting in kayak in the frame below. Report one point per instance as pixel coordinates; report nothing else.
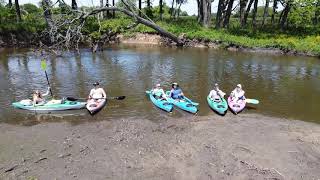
(38, 97)
(158, 92)
(97, 92)
(176, 92)
(216, 94)
(238, 94)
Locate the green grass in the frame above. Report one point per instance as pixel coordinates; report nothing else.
(268, 37)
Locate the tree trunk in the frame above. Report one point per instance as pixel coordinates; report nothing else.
(247, 12)
(74, 4)
(149, 10)
(243, 4)
(101, 6)
(48, 16)
(113, 12)
(275, 6)
(138, 19)
(199, 10)
(265, 12)
(285, 13)
(10, 4)
(161, 10)
(16, 2)
(179, 10)
(219, 13)
(172, 9)
(140, 7)
(205, 13)
(317, 13)
(228, 14)
(108, 12)
(254, 15)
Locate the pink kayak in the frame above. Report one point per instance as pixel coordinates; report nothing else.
(95, 105)
(236, 106)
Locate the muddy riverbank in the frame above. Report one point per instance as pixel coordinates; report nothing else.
(23, 40)
(246, 146)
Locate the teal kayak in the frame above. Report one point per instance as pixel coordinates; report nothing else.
(184, 104)
(160, 103)
(53, 105)
(220, 107)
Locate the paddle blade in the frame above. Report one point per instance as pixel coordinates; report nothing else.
(120, 97)
(148, 92)
(252, 101)
(43, 64)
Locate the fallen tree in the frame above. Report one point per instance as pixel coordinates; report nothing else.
(66, 31)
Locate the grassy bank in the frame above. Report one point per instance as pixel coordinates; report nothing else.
(263, 38)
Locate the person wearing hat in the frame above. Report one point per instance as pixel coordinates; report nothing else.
(176, 92)
(97, 92)
(238, 93)
(216, 94)
(158, 92)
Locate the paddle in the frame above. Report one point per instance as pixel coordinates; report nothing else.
(252, 101)
(44, 67)
(117, 98)
(191, 102)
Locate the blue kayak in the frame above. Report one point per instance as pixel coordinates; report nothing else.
(160, 103)
(184, 104)
(220, 106)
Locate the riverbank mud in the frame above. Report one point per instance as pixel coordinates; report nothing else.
(24, 40)
(155, 39)
(246, 146)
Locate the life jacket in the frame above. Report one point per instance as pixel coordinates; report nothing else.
(175, 93)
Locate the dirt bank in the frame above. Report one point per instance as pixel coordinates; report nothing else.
(230, 147)
(155, 39)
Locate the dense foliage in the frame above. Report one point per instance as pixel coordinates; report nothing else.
(293, 26)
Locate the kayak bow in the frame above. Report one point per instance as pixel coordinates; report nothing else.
(184, 104)
(160, 103)
(220, 107)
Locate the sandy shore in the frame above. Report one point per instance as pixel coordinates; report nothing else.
(246, 146)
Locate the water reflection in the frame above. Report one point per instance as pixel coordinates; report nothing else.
(286, 86)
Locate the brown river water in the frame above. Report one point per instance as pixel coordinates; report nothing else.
(287, 86)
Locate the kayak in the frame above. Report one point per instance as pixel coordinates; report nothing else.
(53, 105)
(184, 104)
(220, 107)
(160, 103)
(95, 106)
(236, 106)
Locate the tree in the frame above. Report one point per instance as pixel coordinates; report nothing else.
(228, 14)
(46, 4)
(10, 4)
(285, 12)
(254, 14)
(219, 16)
(204, 10)
(18, 12)
(113, 12)
(74, 4)
(149, 9)
(247, 12)
(316, 13)
(274, 8)
(243, 4)
(265, 12)
(140, 7)
(67, 32)
(172, 9)
(161, 9)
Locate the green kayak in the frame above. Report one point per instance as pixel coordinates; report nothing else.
(220, 107)
(53, 105)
